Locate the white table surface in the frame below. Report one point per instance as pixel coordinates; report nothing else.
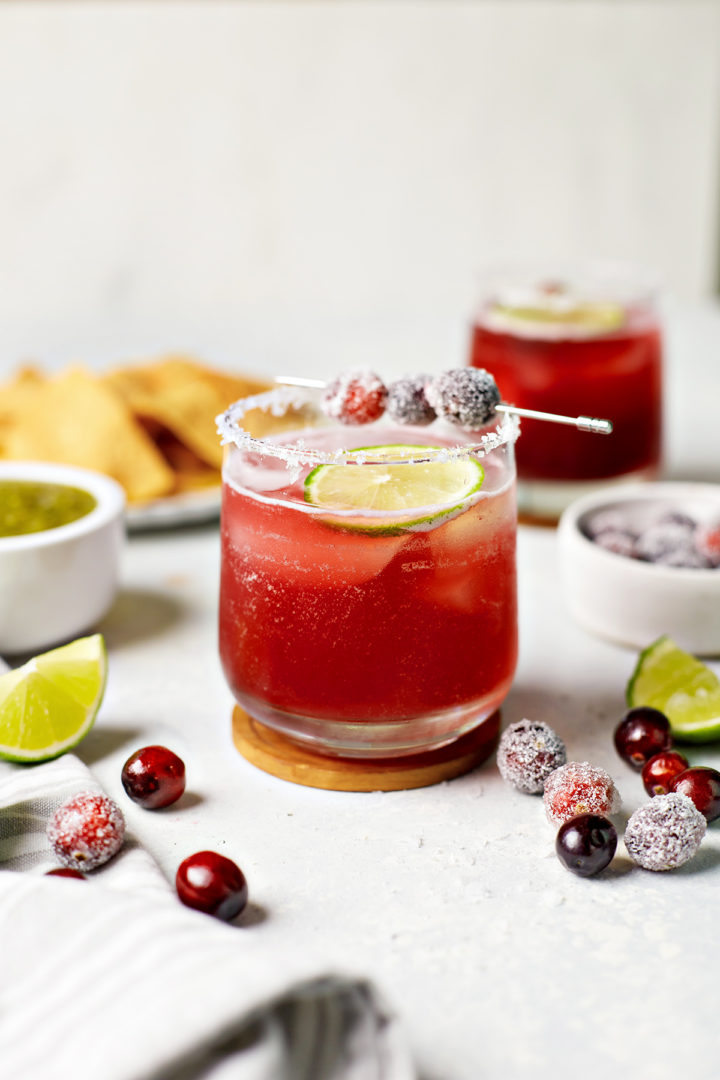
(501, 963)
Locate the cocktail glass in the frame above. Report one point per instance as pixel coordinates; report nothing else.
(574, 340)
(361, 632)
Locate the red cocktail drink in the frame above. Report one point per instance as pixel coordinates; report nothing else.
(356, 630)
(555, 350)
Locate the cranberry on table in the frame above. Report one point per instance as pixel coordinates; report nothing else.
(702, 785)
(528, 752)
(586, 844)
(64, 871)
(579, 788)
(665, 833)
(212, 883)
(86, 831)
(154, 777)
(659, 772)
(642, 733)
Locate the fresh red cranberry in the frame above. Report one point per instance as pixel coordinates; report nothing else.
(586, 844)
(579, 788)
(64, 871)
(154, 777)
(211, 883)
(642, 733)
(86, 831)
(702, 785)
(659, 772)
(355, 397)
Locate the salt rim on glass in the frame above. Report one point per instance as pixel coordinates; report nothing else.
(278, 400)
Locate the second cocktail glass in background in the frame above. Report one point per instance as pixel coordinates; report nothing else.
(578, 339)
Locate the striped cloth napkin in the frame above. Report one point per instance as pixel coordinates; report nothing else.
(113, 979)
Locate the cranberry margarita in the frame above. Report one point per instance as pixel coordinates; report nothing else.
(588, 344)
(364, 631)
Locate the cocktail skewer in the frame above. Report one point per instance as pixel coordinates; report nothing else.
(582, 423)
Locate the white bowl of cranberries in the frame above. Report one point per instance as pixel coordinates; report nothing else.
(643, 560)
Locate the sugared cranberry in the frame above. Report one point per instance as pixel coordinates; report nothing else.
(702, 785)
(154, 777)
(586, 844)
(355, 397)
(610, 520)
(659, 542)
(687, 558)
(665, 833)
(642, 733)
(659, 772)
(211, 883)
(707, 539)
(620, 543)
(86, 831)
(677, 517)
(528, 752)
(407, 403)
(579, 788)
(64, 871)
(464, 396)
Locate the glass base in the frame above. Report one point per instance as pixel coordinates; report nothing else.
(364, 739)
(543, 501)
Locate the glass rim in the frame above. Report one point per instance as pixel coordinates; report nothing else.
(621, 280)
(281, 398)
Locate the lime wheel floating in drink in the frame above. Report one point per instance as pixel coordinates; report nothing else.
(397, 488)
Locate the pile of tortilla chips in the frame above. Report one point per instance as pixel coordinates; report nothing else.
(150, 426)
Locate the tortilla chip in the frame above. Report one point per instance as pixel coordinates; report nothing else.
(184, 397)
(76, 419)
(190, 473)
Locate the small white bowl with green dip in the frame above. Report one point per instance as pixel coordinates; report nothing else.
(61, 534)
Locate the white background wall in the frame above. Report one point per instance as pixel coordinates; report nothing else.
(321, 181)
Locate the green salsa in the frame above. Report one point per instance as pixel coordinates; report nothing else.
(30, 507)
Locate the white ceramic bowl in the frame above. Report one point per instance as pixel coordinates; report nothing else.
(635, 602)
(56, 584)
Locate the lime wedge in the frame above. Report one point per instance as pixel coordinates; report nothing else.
(681, 686)
(50, 703)
(588, 318)
(393, 492)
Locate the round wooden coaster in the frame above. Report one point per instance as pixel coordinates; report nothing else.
(286, 759)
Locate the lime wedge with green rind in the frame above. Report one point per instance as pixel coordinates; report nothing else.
(679, 685)
(394, 490)
(50, 703)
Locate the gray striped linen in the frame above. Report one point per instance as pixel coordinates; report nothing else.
(116, 980)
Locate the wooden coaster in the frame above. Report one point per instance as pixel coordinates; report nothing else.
(288, 760)
(534, 519)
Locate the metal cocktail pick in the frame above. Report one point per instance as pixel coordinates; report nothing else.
(582, 423)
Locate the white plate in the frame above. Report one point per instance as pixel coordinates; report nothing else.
(191, 508)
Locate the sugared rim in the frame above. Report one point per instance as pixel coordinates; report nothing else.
(281, 398)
